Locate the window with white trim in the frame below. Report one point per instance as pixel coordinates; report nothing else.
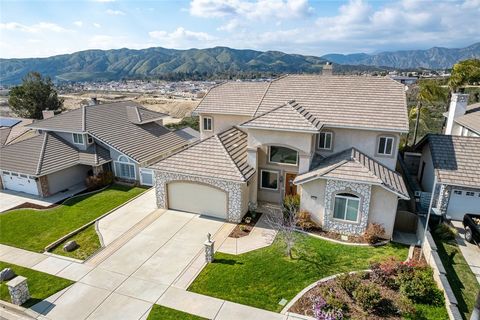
(124, 168)
(385, 146)
(207, 123)
(146, 177)
(346, 207)
(325, 140)
(77, 138)
(282, 155)
(269, 180)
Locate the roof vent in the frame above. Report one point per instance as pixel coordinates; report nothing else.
(327, 69)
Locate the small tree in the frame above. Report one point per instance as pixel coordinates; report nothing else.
(34, 95)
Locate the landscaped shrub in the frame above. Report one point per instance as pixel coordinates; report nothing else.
(367, 296)
(374, 233)
(349, 282)
(291, 204)
(323, 311)
(384, 273)
(99, 181)
(445, 232)
(304, 220)
(332, 300)
(420, 287)
(404, 306)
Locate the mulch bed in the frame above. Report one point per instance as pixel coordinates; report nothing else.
(304, 305)
(243, 229)
(338, 236)
(418, 256)
(29, 205)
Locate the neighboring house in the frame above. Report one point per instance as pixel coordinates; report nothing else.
(332, 139)
(120, 137)
(463, 119)
(449, 167)
(14, 129)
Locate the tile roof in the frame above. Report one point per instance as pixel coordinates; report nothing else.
(345, 101)
(11, 134)
(240, 98)
(471, 119)
(222, 156)
(353, 165)
(189, 134)
(94, 155)
(139, 115)
(111, 123)
(456, 159)
(289, 116)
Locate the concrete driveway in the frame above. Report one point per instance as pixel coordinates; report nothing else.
(471, 252)
(127, 283)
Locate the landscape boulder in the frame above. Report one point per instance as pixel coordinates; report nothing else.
(70, 246)
(7, 274)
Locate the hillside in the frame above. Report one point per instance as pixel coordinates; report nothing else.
(434, 58)
(155, 63)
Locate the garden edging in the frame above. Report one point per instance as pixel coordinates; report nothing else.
(378, 244)
(88, 224)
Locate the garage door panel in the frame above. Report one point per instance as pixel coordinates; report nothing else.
(197, 198)
(462, 202)
(19, 182)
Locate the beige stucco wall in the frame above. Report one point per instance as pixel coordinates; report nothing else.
(429, 170)
(66, 178)
(312, 199)
(221, 122)
(383, 209)
(364, 140)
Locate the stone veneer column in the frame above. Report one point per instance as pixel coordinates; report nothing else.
(363, 191)
(18, 290)
(209, 249)
(43, 186)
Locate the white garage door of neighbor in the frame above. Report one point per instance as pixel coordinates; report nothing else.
(197, 198)
(19, 182)
(462, 202)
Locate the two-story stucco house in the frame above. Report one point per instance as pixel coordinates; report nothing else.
(331, 139)
(122, 137)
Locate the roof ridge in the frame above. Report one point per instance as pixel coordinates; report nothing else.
(306, 115)
(263, 97)
(84, 118)
(42, 154)
(228, 153)
(369, 170)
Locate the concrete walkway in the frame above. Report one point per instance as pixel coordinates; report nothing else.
(261, 236)
(117, 223)
(470, 251)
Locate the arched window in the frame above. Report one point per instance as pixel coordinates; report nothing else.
(346, 207)
(124, 168)
(123, 159)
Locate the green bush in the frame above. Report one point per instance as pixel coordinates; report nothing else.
(445, 232)
(368, 296)
(333, 302)
(349, 282)
(420, 287)
(291, 204)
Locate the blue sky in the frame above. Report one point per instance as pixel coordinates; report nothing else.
(45, 28)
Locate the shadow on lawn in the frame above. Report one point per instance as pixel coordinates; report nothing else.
(230, 262)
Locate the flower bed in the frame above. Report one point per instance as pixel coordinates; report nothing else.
(246, 226)
(392, 290)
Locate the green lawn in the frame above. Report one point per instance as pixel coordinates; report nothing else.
(164, 313)
(459, 275)
(35, 229)
(88, 244)
(263, 277)
(427, 312)
(41, 285)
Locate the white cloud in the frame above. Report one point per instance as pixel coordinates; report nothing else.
(78, 23)
(182, 38)
(115, 12)
(103, 1)
(34, 28)
(97, 25)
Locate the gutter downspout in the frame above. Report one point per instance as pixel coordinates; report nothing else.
(429, 212)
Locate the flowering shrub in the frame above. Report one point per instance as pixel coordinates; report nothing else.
(322, 311)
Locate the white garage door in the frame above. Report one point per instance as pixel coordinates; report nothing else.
(197, 198)
(462, 202)
(19, 182)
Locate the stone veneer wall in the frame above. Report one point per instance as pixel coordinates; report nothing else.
(233, 190)
(363, 191)
(43, 186)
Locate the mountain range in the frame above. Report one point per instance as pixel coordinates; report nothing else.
(218, 62)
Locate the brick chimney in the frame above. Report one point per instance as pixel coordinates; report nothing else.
(458, 107)
(327, 69)
(47, 114)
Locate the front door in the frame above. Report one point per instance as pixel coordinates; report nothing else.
(290, 188)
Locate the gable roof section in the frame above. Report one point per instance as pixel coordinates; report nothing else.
(222, 156)
(353, 165)
(111, 123)
(363, 102)
(456, 159)
(238, 98)
(288, 117)
(471, 118)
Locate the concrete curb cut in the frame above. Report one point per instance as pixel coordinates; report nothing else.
(88, 224)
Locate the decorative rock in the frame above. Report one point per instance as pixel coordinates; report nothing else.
(209, 249)
(7, 274)
(70, 246)
(18, 290)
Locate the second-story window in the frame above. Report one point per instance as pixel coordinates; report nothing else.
(89, 139)
(207, 124)
(385, 146)
(77, 138)
(325, 141)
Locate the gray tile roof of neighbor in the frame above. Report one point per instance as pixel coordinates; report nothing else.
(189, 134)
(289, 116)
(353, 165)
(112, 124)
(471, 119)
(222, 156)
(364, 102)
(456, 159)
